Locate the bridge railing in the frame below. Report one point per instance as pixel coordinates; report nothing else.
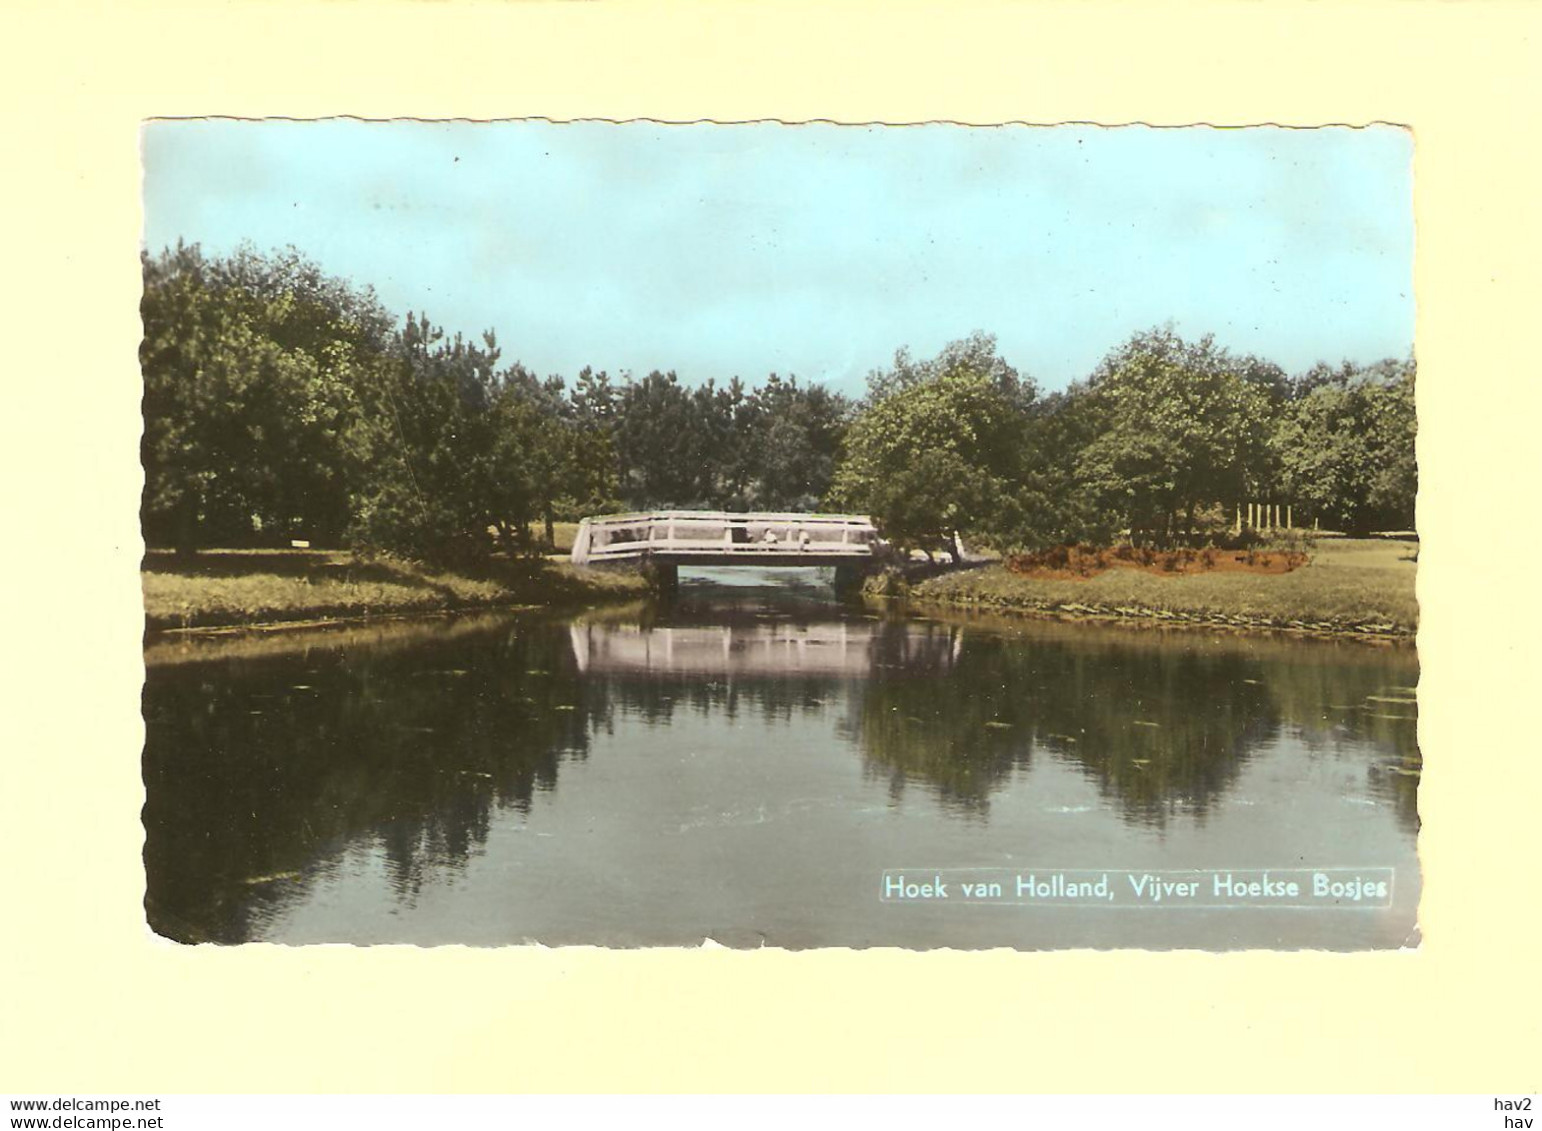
(724, 534)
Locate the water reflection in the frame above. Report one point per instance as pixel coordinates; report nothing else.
(743, 764)
(256, 768)
(841, 649)
(1162, 722)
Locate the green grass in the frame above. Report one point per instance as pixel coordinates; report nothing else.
(564, 532)
(257, 587)
(1363, 586)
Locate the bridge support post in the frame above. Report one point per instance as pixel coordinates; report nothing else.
(662, 577)
(848, 577)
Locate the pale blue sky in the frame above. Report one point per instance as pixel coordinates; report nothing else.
(819, 249)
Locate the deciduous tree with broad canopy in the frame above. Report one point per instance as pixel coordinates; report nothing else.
(938, 448)
(1182, 425)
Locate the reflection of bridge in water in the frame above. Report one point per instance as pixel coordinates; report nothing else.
(844, 649)
(665, 540)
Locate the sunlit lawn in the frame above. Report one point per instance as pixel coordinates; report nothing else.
(562, 531)
(1365, 584)
(242, 587)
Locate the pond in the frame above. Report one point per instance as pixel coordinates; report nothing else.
(756, 763)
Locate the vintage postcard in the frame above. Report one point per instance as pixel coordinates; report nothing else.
(802, 536)
(396, 711)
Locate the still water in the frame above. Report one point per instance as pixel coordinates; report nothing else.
(746, 763)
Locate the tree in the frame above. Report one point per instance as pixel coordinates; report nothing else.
(933, 459)
(973, 355)
(1057, 503)
(251, 371)
(790, 437)
(596, 482)
(1345, 445)
(458, 461)
(1183, 427)
(1394, 484)
(658, 443)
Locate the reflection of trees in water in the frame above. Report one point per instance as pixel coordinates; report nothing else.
(254, 771)
(658, 700)
(1158, 725)
(1153, 731)
(264, 773)
(1345, 694)
(1160, 730)
(1338, 691)
(925, 712)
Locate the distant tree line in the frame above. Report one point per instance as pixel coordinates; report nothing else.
(282, 403)
(1160, 444)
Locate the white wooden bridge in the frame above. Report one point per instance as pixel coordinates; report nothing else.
(721, 538)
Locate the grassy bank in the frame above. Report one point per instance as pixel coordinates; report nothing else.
(1359, 587)
(564, 533)
(235, 587)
